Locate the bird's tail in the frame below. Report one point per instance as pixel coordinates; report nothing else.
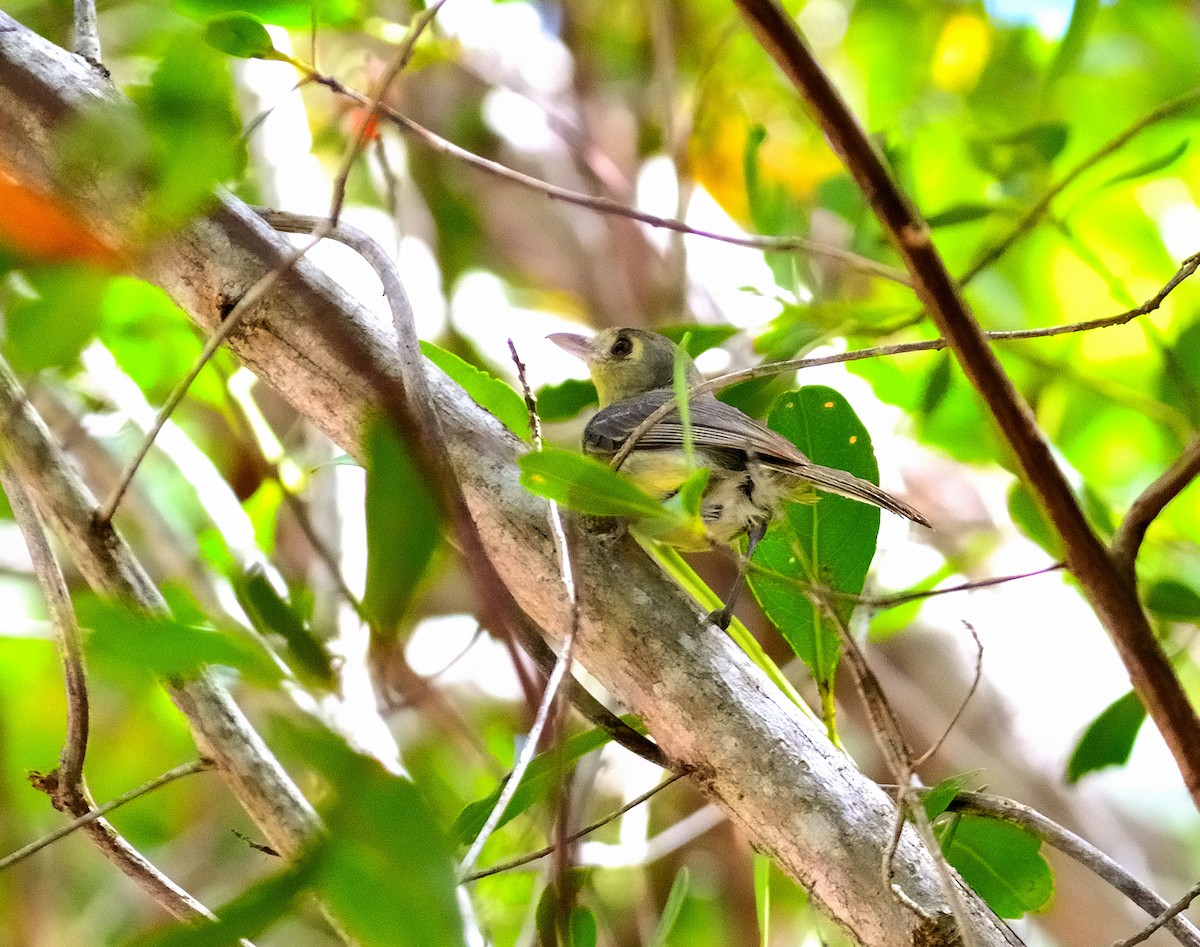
(848, 485)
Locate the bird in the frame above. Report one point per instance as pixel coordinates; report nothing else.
(753, 469)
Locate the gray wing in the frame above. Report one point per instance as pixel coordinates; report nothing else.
(715, 425)
(719, 426)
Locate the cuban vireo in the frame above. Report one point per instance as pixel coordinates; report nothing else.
(752, 468)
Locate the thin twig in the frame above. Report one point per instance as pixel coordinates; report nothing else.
(937, 745)
(1129, 535)
(185, 769)
(574, 836)
(562, 854)
(561, 667)
(87, 31)
(355, 146)
(1079, 850)
(244, 305)
(507, 615)
(901, 598)
(1186, 269)
(69, 783)
(1165, 918)
(606, 205)
(885, 727)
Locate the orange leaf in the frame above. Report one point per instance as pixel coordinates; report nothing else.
(37, 224)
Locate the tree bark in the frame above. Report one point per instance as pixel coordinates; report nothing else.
(766, 764)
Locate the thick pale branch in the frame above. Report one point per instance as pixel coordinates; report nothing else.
(769, 767)
(1103, 582)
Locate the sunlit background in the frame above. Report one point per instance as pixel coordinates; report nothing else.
(979, 112)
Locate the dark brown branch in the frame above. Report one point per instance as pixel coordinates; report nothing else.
(1129, 535)
(1102, 581)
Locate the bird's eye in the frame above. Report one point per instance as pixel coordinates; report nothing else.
(621, 348)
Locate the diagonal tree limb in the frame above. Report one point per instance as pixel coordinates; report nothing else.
(710, 709)
(1104, 584)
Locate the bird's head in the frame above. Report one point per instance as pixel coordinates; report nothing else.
(625, 362)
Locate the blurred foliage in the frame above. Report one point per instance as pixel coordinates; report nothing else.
(980, 113)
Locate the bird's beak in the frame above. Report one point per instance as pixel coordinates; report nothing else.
(578, 345)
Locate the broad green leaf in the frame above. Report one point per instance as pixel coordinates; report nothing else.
(1001, 861)
(585, 484)
(937, 384)
(388, 873)
(1109, 738)
(938, 799)
(675, 898)
(271, 614)
(566, 400)
(49, 325)
(403, 526)
(1173, 600)
(488, 392)
(828, 542)
(167, 648)
(580, 928)
(540, 777)
(248, 915)
(762, 897)
(240, 34)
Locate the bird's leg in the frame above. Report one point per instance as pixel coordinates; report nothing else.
(722, 616)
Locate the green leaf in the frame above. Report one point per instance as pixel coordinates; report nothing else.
(762, 897)
(540, 777)
(585, 484)
(1001, 861)
(1108, 740)
(1150, 166)
(699, 338)
(403, 526)
(583, 931)
(271, 614)
(48, 326)
(167, 648)
(1028, 517)
(937, 384)
(566, 400)
(195, 133)
(248, 915)
(295, 14)
(1173, 600)
(388, 875)
(1071, 46)
(487, 391)
(241, 35)
(965, 213)
(830, 541)
(675, 898)
(940, 796)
